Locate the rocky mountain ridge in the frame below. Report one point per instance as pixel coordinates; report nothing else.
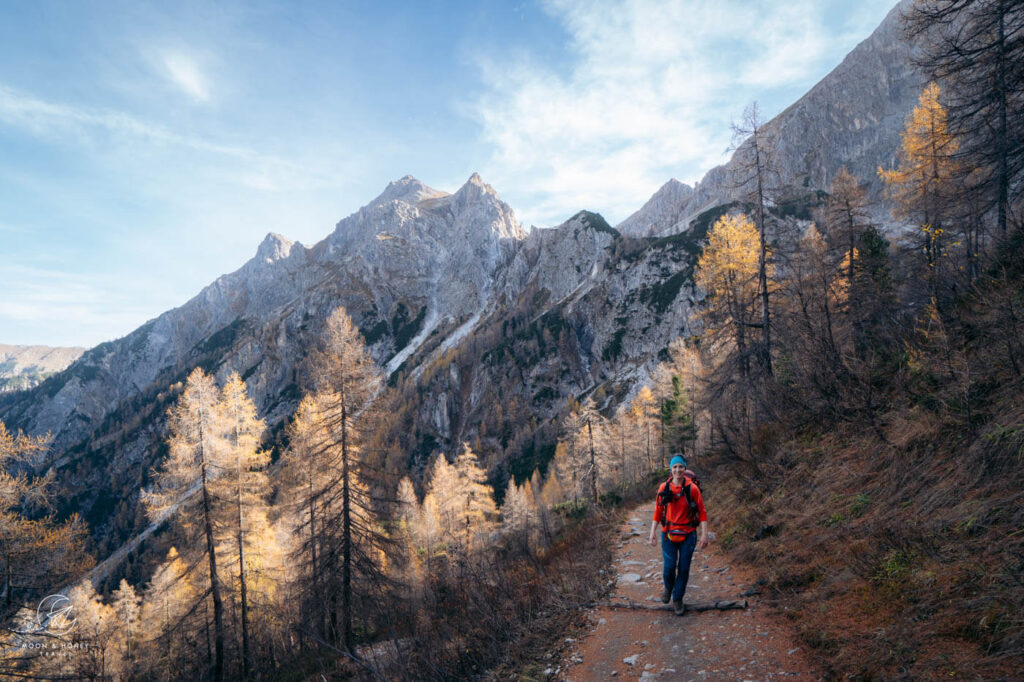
(852, 117)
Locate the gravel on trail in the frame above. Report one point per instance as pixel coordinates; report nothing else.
(756, 643)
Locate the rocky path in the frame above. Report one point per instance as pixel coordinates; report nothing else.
(750, 644)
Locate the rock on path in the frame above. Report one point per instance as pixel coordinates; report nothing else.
(754, 644)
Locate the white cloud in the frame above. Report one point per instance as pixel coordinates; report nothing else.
(185, 73)
(649, 95)
(76, 125)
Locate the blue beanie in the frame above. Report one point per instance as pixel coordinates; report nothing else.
(678, 459)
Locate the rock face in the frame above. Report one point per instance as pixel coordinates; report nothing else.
(852, 117)
(23, 367)
(661, 213)
(472, 316)
(412, 261)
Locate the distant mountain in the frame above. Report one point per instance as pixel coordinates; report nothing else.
(23, 367)
(853, 117)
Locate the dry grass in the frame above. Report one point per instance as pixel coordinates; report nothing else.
(896, 543)
(899, 560)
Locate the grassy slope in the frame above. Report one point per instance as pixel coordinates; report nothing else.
(904, 556)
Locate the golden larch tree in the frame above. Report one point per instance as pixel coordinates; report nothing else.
(184, 483)
(727, 272)
(243, 490)
(346, 543)
(924, 184)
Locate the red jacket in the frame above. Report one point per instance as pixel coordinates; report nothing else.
(678, 510)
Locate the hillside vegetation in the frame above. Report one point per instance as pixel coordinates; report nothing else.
(864, 418)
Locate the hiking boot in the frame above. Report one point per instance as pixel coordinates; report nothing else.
(666, 594)
(678, 607)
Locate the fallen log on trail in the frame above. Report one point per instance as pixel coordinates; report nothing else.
(721, 605)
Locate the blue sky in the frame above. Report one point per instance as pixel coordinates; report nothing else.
(147, 148)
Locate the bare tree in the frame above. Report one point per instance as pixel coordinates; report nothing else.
(327, 473)
(754, 147)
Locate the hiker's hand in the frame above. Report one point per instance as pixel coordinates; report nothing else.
(703, 541)
(651, 539)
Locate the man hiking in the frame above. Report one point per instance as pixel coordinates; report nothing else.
(679, 510)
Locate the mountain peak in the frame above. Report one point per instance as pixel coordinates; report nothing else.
(475, 186)
(407, 189)
(660, 213)
(273, 247)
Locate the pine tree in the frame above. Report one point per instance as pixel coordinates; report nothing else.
(728, 273)
(127, 609)
(925, 184)
(676, 418)
(569, 463)
(243, 488)
(675, 387)
(519, 513)
(846, 214)
(644, 409)
(335, 510)
(169, 602)
(814, 325)
(198, 441)
(94, 636)
(592, 421)
(408, 527)
(584, 458)
(757, 169)
(36, 555)
(974, 48)
(460, 499)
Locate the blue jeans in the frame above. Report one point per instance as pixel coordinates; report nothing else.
(677, 556)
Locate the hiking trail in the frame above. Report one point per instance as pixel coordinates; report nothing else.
(756, 643)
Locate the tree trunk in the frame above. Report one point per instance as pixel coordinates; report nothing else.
(241, 587)
(1003, 172)
(765, 354)
(218, 605)
(593, 462)
(346, 535)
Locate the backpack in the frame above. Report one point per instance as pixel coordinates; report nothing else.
(666, 496)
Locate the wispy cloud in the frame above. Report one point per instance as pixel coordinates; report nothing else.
(649, 95)
(184, 72)
(79, 125)
(71, 308)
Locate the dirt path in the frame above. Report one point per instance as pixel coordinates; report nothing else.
(750, 644)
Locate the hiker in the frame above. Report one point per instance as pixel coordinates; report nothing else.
(679, 510)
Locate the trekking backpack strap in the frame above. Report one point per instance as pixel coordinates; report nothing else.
(694, 509)
(664, 497)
